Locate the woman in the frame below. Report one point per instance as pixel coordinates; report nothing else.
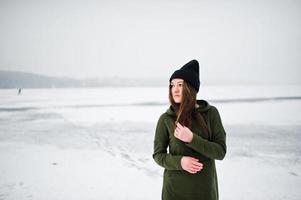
(194, 135)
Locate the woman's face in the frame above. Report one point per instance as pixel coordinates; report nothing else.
(177, 89)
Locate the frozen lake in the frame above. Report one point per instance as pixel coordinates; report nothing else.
(97, 143)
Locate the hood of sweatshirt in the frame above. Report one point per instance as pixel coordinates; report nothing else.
(203, 107)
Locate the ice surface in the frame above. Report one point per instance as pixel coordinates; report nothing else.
(97, 143)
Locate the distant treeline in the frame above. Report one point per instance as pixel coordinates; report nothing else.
(15, 79)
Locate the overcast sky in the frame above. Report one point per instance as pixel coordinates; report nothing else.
(256, 41)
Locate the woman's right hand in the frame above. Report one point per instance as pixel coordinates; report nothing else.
(191, 164)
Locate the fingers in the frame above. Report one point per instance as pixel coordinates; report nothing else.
(191, 165)
(194, 170)
(178, 130)
(193, 159)
(197, 163)
(194, 165)
(182, 129)
(179, 126)
(191, 171)
(176, 134)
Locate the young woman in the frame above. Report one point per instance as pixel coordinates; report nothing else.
(192, 131)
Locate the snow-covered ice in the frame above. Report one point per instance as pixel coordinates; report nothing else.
(97, 143)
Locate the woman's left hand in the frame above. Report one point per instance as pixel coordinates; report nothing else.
(183, 133)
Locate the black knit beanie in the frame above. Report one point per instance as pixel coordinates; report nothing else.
(189, 73)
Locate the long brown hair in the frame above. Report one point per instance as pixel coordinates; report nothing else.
(185, 110)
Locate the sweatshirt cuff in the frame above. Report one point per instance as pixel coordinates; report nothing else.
(196, 142)
(177, 160)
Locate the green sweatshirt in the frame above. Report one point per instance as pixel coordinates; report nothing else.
(177, 183)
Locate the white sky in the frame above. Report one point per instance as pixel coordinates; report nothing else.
(254, 41)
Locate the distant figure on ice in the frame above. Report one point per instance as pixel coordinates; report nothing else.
(193, 132)
(19, 91)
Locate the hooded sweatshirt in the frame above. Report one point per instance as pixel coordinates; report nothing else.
(179, 184)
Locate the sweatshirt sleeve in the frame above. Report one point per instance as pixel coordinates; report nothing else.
(161, 141)
(216, 148)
